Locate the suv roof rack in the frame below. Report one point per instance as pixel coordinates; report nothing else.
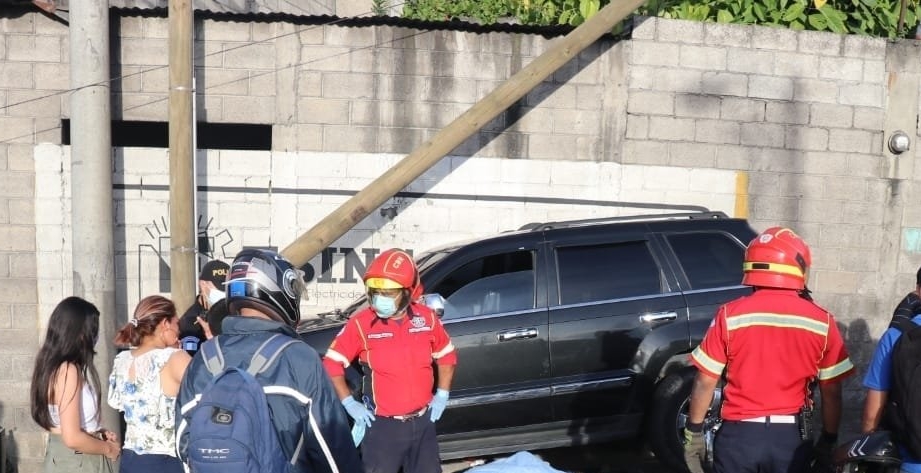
(540, 226)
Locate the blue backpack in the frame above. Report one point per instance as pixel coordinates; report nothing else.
(230, 428)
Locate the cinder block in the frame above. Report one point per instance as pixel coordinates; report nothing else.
(869, 95)
(249, 109)
(33, 48)
(869, 118)
(678, 80)
(692, 155)
(819, 42)
(806, 138)
(649, 53)
(762, 134)
(637, 126)
(326, 58)
(577, 121)
(588, 97)
(815, 90)
(840, 68)
(671, 129)
(874, 72)
(679, 31)
(26, 24)
(845, 188)
(651, 102)
(33, 103)
(731, 36)
(251, 56)
(697, 106)
(16, 75)
(778, 160)
(864, 47)
(752, 61)
(836, 282)
(724, 83)
(215, 81)
(735, 157)
(865, 165)
(22, 265)
(348, 86)
(552, 96)
(825, 163)
(642, 77)
(482, 66)
(742, 109)
(644, 27)
(16, 290)
(16, 130)
(323, 111)
(717, 131)
(645, 152)
(666, 178)
(830, 115)
(774, 38)
(51, 76)
(702, 57)
(309, 83)
(143, 52)
(211, 30)
(551, 146)
(795, 64)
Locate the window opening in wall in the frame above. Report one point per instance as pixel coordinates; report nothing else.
(243, 136)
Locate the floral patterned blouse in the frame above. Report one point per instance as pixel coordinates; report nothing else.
(149, 414)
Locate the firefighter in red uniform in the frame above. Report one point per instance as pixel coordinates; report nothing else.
(768, 347)
(395, 341)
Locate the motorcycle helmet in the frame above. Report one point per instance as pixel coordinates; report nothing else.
(778, 258)
(871, 453)
(265, 281)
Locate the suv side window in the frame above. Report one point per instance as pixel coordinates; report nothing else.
(709, 259)
(603, 272)
(490, 285)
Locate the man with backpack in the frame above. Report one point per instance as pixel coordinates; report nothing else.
(893, 399)
(256, 398)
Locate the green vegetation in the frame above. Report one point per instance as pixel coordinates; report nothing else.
(866, 17)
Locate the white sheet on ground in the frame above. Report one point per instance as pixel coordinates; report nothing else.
(521, 462)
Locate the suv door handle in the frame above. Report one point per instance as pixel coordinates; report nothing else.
(517, 333)
(658, 317)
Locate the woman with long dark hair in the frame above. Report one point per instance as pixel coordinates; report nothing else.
(65, 392)
(144, 383)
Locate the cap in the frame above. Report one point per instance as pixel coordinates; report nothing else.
(216, 272)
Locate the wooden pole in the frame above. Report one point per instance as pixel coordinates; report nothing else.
(181, 165)
(421, 159)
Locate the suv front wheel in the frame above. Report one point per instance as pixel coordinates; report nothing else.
(669, 414)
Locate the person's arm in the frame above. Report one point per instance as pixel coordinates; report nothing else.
(174, 370)
(873, 410)
(701, 397)
(445, 376)
(68, 389)
(340, 386)
(831, 406)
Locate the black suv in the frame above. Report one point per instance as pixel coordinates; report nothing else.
(575, 332)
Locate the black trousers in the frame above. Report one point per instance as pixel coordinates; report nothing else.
(750, 447)
(390, 444)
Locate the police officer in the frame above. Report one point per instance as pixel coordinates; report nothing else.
(210, 292)
(395, 340)
(768, 347)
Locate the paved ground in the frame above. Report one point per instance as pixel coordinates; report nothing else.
(595, 459)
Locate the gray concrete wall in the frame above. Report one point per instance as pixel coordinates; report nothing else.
(792, 124)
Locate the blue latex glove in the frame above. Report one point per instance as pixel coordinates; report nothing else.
(358, 432)
(438, 404)
(358, 411)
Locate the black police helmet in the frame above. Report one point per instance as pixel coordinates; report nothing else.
(265, 281)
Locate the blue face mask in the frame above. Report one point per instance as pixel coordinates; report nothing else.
(384, 306)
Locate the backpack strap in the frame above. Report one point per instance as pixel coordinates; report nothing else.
(902, 324)
(268, 352)
(214, 358)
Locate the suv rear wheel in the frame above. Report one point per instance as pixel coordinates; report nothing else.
(669, 414)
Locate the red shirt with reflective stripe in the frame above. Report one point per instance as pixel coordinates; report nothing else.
(771, 344)
(397, 353)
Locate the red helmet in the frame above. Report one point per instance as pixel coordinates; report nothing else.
(394, 269)
(777, 258)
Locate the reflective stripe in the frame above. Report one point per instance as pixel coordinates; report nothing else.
(835, 371)
(444, 351)
(777, 320)
(706, 362)
(773, 268)
(338, 357)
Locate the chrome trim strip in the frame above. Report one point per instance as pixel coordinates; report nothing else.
(500, 397)
(595, 385)
(623, 299)
(715, 289)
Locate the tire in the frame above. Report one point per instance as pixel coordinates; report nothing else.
(668, 415)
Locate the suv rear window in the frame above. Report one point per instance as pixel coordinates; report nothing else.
(709, 259)
(603, 272)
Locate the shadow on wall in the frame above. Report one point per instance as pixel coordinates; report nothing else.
(7, 448)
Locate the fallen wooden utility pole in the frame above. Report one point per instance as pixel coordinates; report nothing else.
(413, 165)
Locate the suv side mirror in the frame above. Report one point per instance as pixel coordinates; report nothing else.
(434, 302)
